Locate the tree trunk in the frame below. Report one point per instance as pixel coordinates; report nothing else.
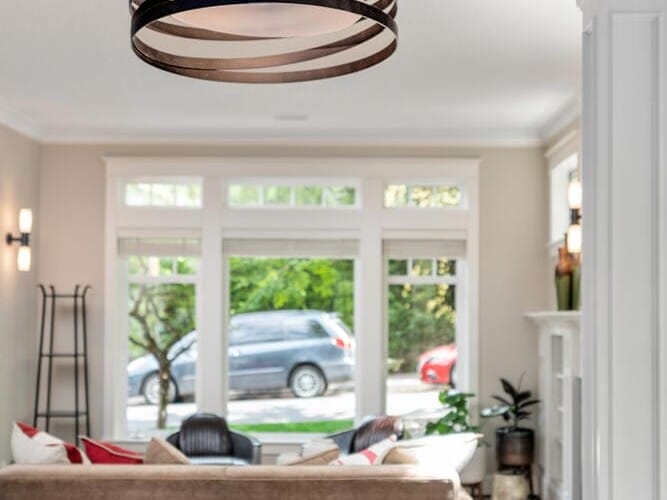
(165, 377)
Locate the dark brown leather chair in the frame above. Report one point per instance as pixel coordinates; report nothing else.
(371, 431)
(207, 440)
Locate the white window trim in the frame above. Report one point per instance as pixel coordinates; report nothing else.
(563, 150)
(215, 220)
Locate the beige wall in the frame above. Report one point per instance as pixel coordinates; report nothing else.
(19, 188)
(513, 236)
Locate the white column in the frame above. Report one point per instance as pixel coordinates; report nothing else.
(212, 356)
(625, 255)
(370, 337)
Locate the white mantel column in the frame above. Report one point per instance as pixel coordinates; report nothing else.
(625, 255)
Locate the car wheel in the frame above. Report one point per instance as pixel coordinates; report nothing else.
(307, 381)
(151, 389)
(453, 382)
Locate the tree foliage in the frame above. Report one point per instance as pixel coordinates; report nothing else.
(420, 317)
(457, 419)
(267, 284)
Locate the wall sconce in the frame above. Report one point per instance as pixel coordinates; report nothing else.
(24, 257)
(573, 239)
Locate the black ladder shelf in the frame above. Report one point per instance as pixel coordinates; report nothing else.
(79, 355)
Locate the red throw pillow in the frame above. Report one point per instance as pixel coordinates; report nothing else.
(100, 452)
(39, 438)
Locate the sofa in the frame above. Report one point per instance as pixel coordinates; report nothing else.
(144, 482)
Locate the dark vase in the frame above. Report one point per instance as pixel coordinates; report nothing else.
(568, 281)
(515, 447)
(564, 280)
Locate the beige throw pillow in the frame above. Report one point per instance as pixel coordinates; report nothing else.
(453, 450)
(373, 455)
(323, 457)
(160, 452)
(400, 456)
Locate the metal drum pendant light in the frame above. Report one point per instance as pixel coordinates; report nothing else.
(263, 41)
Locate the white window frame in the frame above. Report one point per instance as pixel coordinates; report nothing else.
(461, 307)
(125, 279)
(370, 225)
(563, 158)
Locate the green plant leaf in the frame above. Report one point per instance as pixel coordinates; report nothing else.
(503, 401)
(508, 388)
(494, 411)
(526, 404)
(522, 396)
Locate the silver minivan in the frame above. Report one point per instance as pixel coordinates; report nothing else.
(304, 351)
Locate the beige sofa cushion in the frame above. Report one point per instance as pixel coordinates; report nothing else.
(160, 452)
(453, 450)
(174, 482)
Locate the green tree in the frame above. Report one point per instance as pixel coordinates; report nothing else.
(161, 315)
(420, 317)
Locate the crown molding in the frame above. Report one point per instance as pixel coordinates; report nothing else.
(562, 118)
(299, 137)
(19, 121)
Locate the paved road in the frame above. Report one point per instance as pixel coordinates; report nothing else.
(406, 395)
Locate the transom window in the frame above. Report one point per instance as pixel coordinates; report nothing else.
(422, 267)
(422, 195)
(184, 193)
(260, 193)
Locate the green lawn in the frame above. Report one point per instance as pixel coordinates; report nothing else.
(321, 427)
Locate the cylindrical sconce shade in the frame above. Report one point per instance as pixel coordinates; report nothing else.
(574, 239)
(25, 221)
(23, 259)
(575, 195)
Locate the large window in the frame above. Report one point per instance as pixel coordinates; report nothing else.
(161, 342)
(276, 291)
(291, 357)
(421, 319)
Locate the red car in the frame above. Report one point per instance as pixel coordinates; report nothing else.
(438, 366)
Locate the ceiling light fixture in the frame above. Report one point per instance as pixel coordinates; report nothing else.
(264, 41)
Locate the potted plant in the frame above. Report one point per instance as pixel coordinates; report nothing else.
(515, 445)
(457, 421)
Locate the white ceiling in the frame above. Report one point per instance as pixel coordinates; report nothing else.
(466, 70)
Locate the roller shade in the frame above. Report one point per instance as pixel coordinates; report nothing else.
(290, 248)
(158, 247)
(404, 249)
